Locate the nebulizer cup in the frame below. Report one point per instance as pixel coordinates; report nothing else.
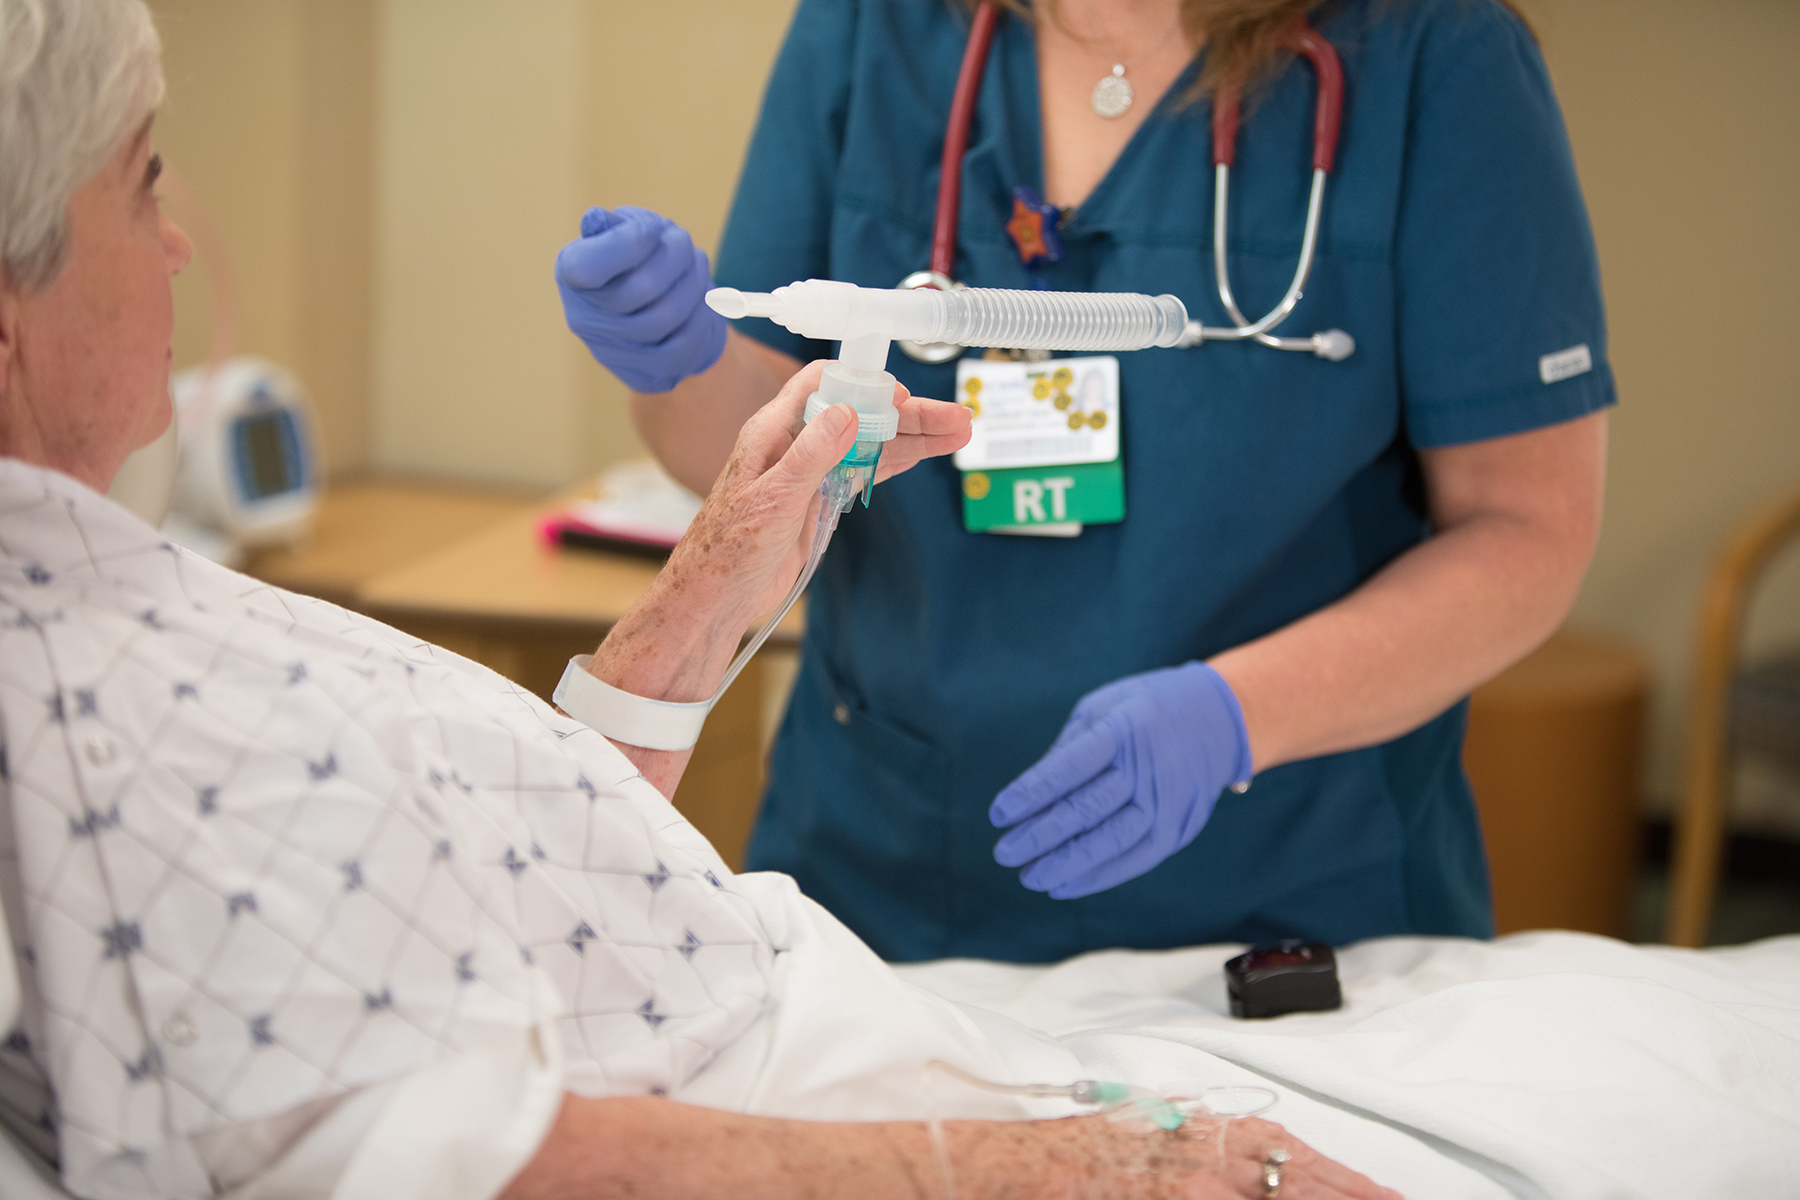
(871, 393)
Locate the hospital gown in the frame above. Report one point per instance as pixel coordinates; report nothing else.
(261, 856)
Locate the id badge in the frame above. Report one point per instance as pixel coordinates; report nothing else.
(1043, 452)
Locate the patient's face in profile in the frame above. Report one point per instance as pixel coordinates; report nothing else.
(86, 359)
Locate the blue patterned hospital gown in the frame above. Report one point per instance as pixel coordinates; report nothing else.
(258, 852)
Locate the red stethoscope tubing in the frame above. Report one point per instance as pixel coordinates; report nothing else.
(956, 137)
(1328, 113)
(1300, 38)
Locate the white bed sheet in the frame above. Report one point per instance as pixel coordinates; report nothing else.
(1539, 1065)
(1543, 1064)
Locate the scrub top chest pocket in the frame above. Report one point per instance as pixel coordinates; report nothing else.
(1043, 452)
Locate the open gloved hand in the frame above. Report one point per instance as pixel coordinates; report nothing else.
(1131, 779)
(634, 289)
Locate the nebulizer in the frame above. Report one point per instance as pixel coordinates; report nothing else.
(866, 320)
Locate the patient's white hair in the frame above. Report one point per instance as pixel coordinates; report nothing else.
(77, 77)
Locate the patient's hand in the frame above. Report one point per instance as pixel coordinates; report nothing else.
(743, 551)
(1094, 1156)
(644, 1146)
(752, 535)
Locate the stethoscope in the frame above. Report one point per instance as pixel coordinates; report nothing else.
(1300, 38)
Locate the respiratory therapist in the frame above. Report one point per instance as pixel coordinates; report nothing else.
(1310, 563)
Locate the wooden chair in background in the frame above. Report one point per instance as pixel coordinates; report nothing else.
(1754, 711)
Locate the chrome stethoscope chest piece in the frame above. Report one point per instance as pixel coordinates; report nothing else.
(929, 352)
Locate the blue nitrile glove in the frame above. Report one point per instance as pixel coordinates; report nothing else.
(634, 289)
(1132, 778)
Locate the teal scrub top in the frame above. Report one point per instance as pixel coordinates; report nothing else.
(1260, 485)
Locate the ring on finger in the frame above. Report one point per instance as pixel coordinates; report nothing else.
(1271, 1167)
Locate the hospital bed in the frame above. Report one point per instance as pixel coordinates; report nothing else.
(1539, 1065)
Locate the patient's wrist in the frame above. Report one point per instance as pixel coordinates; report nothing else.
(677, 641)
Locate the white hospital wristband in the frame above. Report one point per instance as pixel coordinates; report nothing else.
(623, 717)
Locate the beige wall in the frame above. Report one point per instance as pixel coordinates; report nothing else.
(477, 176)
(1685, 119)
(390, 181)
(268, 122)
(498, 125)
(672, 91)
(409, 167)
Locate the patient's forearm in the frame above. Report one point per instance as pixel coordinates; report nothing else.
(647, 1146)
(643, 1146)
(692, 427)
(672, 646)
(736, 560)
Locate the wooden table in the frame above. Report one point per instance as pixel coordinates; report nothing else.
(367, 526)
(504, 580)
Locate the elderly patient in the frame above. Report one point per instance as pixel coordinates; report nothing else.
(301, 904)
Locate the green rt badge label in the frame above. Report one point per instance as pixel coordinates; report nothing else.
(1088, 494)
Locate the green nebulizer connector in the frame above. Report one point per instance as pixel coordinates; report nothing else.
(856, 377)
(1121, 1101)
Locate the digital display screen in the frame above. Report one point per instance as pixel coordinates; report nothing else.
(264, 441)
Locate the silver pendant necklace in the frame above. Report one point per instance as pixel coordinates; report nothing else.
(1112, 96)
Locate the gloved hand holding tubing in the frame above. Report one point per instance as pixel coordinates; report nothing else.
(633, 288)
(1132, 778)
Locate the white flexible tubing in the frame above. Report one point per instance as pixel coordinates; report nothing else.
(1027, 320)
(1039, 1090)
(1075, 321)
